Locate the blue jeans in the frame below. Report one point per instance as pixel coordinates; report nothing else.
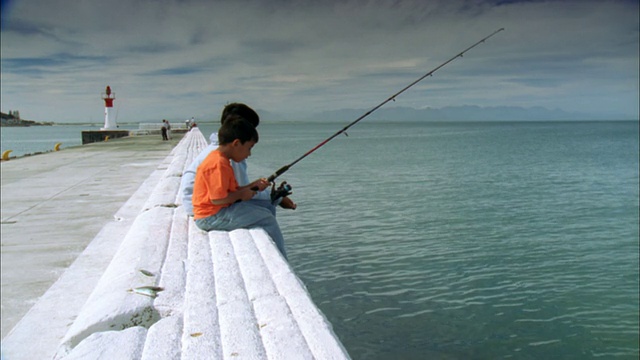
(265, 204)
(245, 215)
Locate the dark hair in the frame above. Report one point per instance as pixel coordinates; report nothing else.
(236, 127)
(241, 110)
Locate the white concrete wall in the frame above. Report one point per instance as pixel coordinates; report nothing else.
(227, 295)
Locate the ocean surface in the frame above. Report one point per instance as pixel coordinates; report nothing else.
(422, 240)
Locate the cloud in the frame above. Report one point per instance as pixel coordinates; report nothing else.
(176, 59)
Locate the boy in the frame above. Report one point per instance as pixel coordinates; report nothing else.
(240, 169)
(218, 202)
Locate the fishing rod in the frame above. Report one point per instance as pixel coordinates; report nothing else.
(284, 169)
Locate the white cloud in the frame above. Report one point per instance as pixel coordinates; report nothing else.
(176, 59)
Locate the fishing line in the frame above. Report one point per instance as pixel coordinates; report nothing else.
(283, 169)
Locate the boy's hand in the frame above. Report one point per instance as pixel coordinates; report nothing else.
(287, 203)
(260, 184)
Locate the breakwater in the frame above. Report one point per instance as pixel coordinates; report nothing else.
(198, 309)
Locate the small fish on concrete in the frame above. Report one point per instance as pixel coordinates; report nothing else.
(150, 291)
(146, 272)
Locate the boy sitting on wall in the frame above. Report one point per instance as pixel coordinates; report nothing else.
(218, 202)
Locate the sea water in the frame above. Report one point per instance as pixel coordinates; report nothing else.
(464, 240)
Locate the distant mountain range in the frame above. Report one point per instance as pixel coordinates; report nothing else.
(453, 113)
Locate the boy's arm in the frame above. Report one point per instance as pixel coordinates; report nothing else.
(242, 194)
(240, 171)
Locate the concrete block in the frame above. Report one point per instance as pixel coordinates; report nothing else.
(127, 344)
(201, 336)
(258, 282)
(317, 330)
(230, 286)
(164, 339)
(180, 153)
(239, 331)
(174, 273)
(165, 194)
(280, 333)
(111, 306)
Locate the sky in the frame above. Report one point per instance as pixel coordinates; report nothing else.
(177, 59)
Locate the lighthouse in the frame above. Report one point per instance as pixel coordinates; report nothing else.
(110, 129)
(109, 120)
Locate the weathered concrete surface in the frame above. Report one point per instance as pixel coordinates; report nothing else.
(54, 205)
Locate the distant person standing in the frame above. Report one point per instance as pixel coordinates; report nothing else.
(168, 129)
(164, 130)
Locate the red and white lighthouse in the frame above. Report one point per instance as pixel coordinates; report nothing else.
(109, 120)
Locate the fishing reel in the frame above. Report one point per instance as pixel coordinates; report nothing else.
(283, 190)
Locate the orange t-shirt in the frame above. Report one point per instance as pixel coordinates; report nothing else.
(214, 180)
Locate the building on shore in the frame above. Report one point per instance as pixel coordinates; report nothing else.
(13, 119)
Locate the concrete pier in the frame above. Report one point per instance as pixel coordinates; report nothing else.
(223, 294)
(91, 136)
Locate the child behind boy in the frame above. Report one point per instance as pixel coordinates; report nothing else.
(239, 169)
(218, 202)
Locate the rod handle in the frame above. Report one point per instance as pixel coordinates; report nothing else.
(280, 171)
